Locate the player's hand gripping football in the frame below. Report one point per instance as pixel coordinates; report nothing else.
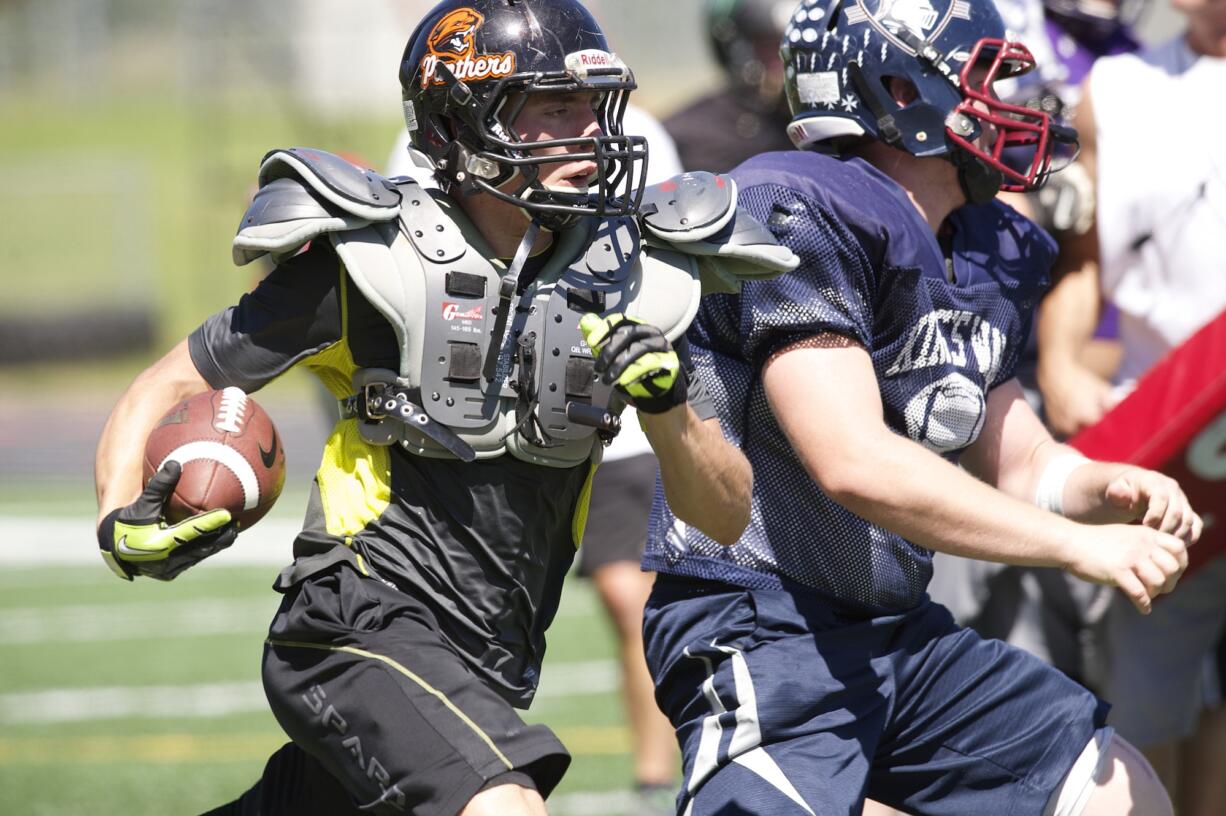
(637, 359)
(136, 541)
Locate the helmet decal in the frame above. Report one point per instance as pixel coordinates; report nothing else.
(903, 22)
(918, 16)
(452, 41)
(454, 33)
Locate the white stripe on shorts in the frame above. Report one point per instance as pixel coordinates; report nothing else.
(1074, 792)
(746, 746)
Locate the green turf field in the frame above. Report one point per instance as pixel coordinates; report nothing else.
(97, 676)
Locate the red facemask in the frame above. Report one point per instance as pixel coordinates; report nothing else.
(1028, 135)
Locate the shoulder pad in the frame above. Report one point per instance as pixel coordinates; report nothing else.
(689, 207)
(743, 250)
(304, 194)
(361, 192)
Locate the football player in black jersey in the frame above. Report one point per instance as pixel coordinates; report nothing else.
(479, 340)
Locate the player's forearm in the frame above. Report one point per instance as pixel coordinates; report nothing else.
(898, 485)
(117, 463)
(1085, 493)
(707, 480)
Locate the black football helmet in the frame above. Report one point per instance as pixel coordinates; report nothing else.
(466, 74)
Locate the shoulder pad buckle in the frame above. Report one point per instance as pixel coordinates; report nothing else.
(363, 193)
(689, 207)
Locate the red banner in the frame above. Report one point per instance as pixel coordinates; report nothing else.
(1175, 422)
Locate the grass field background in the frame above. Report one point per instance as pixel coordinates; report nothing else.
(145, 699)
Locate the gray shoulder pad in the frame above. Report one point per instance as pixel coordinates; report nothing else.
(304, 194)
(689, 207)
(743, 250)
(363, 193)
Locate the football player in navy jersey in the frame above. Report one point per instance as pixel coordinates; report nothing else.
(804, 667)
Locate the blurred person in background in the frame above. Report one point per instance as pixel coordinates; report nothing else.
(750, 115)
(1152, 126)
(616, 532)
(413, 618)
(1066, 38)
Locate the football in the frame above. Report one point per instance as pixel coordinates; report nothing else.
(231, 455)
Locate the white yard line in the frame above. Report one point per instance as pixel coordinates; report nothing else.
(134, 621)
(47, 541)
(126, 702)
(206, 700)
(594, 803)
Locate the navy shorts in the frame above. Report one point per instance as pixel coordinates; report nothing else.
(785, 705)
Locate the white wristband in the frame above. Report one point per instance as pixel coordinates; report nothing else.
(1050, 494)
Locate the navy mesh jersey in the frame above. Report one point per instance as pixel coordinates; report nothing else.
(944, 324)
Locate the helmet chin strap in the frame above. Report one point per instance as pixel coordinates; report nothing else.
(980, 182)
(548, 221)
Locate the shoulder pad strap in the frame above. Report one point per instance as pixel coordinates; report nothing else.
(435, 235)
(363, 193)
(689, 207)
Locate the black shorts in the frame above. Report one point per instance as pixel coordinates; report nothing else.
(616, 530)
(359, 676)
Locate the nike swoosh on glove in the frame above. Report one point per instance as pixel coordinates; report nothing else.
(136, 541)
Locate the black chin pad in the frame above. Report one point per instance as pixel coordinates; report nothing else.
(980, 182)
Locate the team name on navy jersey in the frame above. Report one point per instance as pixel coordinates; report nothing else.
(944, 337)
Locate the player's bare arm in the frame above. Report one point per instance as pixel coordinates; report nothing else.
(133, 536)
(1074, 396)
(707, 480)
(117, 463)
(841, 437)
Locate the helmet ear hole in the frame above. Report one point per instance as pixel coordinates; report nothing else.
(832, 18)
(900, 89)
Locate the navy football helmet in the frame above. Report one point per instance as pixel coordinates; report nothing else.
(840, 55)
(466, 74)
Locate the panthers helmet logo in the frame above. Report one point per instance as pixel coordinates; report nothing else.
(453, 42)
(453, 36)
